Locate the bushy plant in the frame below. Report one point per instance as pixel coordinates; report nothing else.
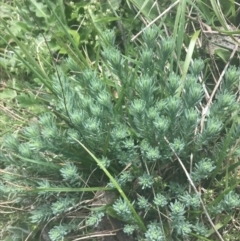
(139, 121)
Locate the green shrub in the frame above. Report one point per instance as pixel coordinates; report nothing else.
(141, 124)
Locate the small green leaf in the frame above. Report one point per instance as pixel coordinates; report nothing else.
(39, 8)
(26, 100)
(8, 94)
(75, 35)
(223, 54)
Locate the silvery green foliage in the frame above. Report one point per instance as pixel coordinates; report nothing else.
(160, 200)
(202, 169)
(200, 229)
(191, 200)
(129, 229)
(124, 114)
(183, 228)
(179, 223)
(230, 201)
(125, 178)
(95, 218)
(70, 173)
(154, 232)
(146, 181)
(143, 203)
(228, 204)
(177, 210)
(40, 214)
(58, 233)
(122, 209)
(62, 204)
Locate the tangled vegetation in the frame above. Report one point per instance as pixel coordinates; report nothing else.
(118, 123)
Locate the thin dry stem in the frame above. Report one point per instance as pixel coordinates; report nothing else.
(154, 20)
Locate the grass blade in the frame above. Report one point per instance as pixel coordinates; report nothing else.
(68, 36)
(30, 62)
(114, 182)
(188, 60)
(178, 31)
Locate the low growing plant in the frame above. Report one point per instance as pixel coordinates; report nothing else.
(139, 129)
